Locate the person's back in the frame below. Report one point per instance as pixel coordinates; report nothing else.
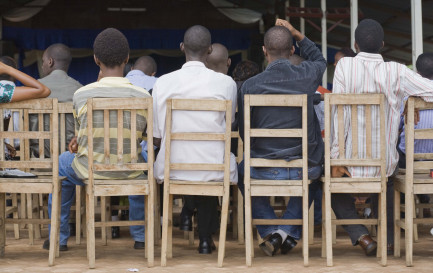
(143, 73)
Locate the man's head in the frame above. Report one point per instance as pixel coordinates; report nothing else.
(369, 36)
(424, 65)
(219, 60)
(344, 52)
(56, 56)
(245, 70)
(111, 49)
(7, 61)
(278, 43)
(146, 64)
(196, 43)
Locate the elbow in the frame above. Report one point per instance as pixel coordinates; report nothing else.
(45, 92)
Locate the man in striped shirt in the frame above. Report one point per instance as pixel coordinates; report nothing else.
(111, 52)
(368, 73)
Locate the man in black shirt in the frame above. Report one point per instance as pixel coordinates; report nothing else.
(282, 77)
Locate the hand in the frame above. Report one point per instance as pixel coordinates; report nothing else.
(295, 33)
(339, 171)
(73, 145)
(416, 114)
(11, 150)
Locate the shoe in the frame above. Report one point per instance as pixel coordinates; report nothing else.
(115, 232)
(271, 244)
(139, 245)
(368, 245)
(287, 245)
(206, 246)
(390, 249)
(185, 222)
(46, 246)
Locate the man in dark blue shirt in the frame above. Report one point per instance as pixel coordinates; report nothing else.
(282, 77)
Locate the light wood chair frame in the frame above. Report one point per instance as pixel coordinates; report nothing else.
(255, 187)
(416, 180)
(102, 188)
(46, 182)
(206, 188)
(348, 184)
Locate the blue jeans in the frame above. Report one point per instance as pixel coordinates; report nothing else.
(261, 207)
(68, 194)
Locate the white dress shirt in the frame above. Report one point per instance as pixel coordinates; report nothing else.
(138, 78)
(368, 73)
(193, 81)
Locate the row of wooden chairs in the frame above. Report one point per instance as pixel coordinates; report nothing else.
(347, 106)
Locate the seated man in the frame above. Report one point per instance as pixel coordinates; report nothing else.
(143, 73)
(395, 81)
(111, 52)
(195, 81)
(282, 77)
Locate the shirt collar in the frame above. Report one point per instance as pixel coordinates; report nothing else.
(193, 63)
(277, 62)
(116, 80)
(369, 57)
(136, 72)
(58, 72)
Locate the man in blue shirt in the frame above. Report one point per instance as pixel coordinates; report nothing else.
(143, 73)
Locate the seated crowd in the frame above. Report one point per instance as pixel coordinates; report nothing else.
(204, 76)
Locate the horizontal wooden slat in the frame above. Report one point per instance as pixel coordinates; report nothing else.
(205, 183)
(423, 188)
(356, 162)
(354, 221)
(198, 105)
(257, 182)
(363, 187)
(121, 182)
(421, 104)
(423, 165)
(127, 103)
(211, 190)
(280, 163)
(112, 190)
(276, 191)
(27, 135)
(423, 221)
(268, 222)
(276, 133)
(123, 167)
(424, 156)
(26, 164)
(196, 167)
(26, 187)
(197, 136)
(354, 180)
(42, 179)
(28, 221)
(359, 99)
(235, 134)
(276, 100)
(65, 107)
(119, 223)
(29, 104)
(424, 134)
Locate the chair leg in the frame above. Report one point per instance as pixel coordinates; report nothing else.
(415, 226)
(305, 227)
(328, 227)
(150, 225)
(157, 219)
(146, 218)
(234, 218)
(78, 215)
(311, 224)
(170, 227)
(397, 230)
(409, 227)
(104, 219)
(240, 214)
(223, 228)
(383, 220)
(90, 219)
(23, 210)
(249, 249)
(15, 215)
(334, 229)
(323, 254)
(59, 205)
(164, 240)
(30, 216)
(55, 223)
(36, 198)
(2, 223)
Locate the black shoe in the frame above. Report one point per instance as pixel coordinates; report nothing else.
(185, 222)
(46, 246)
(206, 246)
(72, 231)
(271, 244)
(139, 245)
(115, 232)
(287, 245)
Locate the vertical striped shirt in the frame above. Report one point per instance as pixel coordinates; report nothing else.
(368, 73)
(109, 87)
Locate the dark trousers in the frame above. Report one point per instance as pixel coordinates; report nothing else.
(207, 214)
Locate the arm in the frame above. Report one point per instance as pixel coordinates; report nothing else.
(413, 84)
(32, 88)
(233, 97)
(156, 131)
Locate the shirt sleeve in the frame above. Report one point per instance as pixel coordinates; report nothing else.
(315, 63)
(241, 111)
(156, 114)
(413, 84)
(6, 92)
(233, 97)
(338, 88)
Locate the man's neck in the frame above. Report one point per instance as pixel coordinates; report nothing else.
(112, 72)
(196, 59)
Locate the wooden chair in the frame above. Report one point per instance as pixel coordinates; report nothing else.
(255, 187)
(46, 182)
(349, 105)
(206, 188)
(238, 200)
(120, 187)
(416, 180)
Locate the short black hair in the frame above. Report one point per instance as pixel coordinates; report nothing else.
(278, 41)
(146, 64)
(245, 70)
(10, 62)
(369, 36)
(111, 47)
(61, 54)
(197, 40)
(424, 65)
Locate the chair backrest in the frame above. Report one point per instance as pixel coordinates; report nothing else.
(360, 113)
(198, 105)
(65, 108)
(299, 101)
(39, 107)
(419, 162)
(107, 115)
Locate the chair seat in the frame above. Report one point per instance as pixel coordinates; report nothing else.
(41, 184)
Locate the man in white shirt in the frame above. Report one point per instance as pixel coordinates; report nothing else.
(368, 73)
(143, 73)
(194, 81)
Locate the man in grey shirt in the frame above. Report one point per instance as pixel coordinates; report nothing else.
(55, 64)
